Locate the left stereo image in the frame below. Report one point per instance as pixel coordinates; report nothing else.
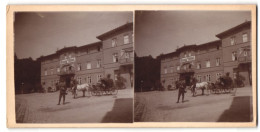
(73, 67)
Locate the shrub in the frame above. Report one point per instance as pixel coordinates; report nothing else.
(120, 82)
(169, 87)
(239, 80)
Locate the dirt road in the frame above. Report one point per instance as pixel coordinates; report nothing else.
(160, 106)
(43, 108)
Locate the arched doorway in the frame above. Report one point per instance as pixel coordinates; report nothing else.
(186, 73)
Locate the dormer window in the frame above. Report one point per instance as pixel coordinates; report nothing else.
(114, 41)
(126, 39)
(245, 39)
(232, 41)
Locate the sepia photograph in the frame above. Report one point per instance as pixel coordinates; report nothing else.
(193, 66)
(73, 67)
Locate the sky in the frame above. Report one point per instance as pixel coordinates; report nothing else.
(42, 33)
(158, 32)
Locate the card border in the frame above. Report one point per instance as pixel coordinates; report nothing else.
(10, 9)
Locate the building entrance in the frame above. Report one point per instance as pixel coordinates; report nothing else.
(67, 79)
(187, 77)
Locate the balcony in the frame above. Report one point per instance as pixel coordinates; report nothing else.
(126, 60)
(244, 59)
(185, 71)
(67, 72)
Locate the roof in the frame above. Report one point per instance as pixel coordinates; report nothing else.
(186, 47)
(193, 46)
(91, 44)
(125, 26)
(65, 49)
(209, 43)
(245, 24)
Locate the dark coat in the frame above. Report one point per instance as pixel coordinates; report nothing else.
(181, 86)
(63, 88)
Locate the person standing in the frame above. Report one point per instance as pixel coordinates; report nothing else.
(63, 89)
(73, 85)
(193, 85)
(181, 86)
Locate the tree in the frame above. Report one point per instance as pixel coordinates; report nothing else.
(27, 74)
(147, 73)
(120, 82)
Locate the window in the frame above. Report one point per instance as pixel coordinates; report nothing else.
(198, 66)
(115, 57)
(234, 56)
(232, 41)
(199, 78)
(114, 42)
(98, 63)
(98, 48)
(79, 67)
(165, 70)
(189, 54)
(234, 75)
(208, 77)
(217, 61)
(245, 53)
(58, 69)
(88, 65)
(171, 69)
(52, 71)
(126, 39)
(89, 80)
(218, 47)
(45, 72)
(178, 68)
(127, 55)
(99, 76)
(244, 37)
(207, 63)
(218, 75)
(79, 80)
(115, 77)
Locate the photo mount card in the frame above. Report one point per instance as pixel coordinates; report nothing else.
(56, 55)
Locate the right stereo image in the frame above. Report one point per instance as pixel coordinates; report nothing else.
(193, 66)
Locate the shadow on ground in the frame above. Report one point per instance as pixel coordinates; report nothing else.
(122, 112)
(238, 112)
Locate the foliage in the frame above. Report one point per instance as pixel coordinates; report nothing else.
(239, 80)
(147, 73)
(27, 75)
(120, 82)
(170, 87)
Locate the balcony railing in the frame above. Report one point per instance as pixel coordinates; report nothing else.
(186, 70)
(67, 72)
(244, 59)
(126, 60)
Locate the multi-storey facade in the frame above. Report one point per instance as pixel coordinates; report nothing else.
(89, 63)
(209, 61)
